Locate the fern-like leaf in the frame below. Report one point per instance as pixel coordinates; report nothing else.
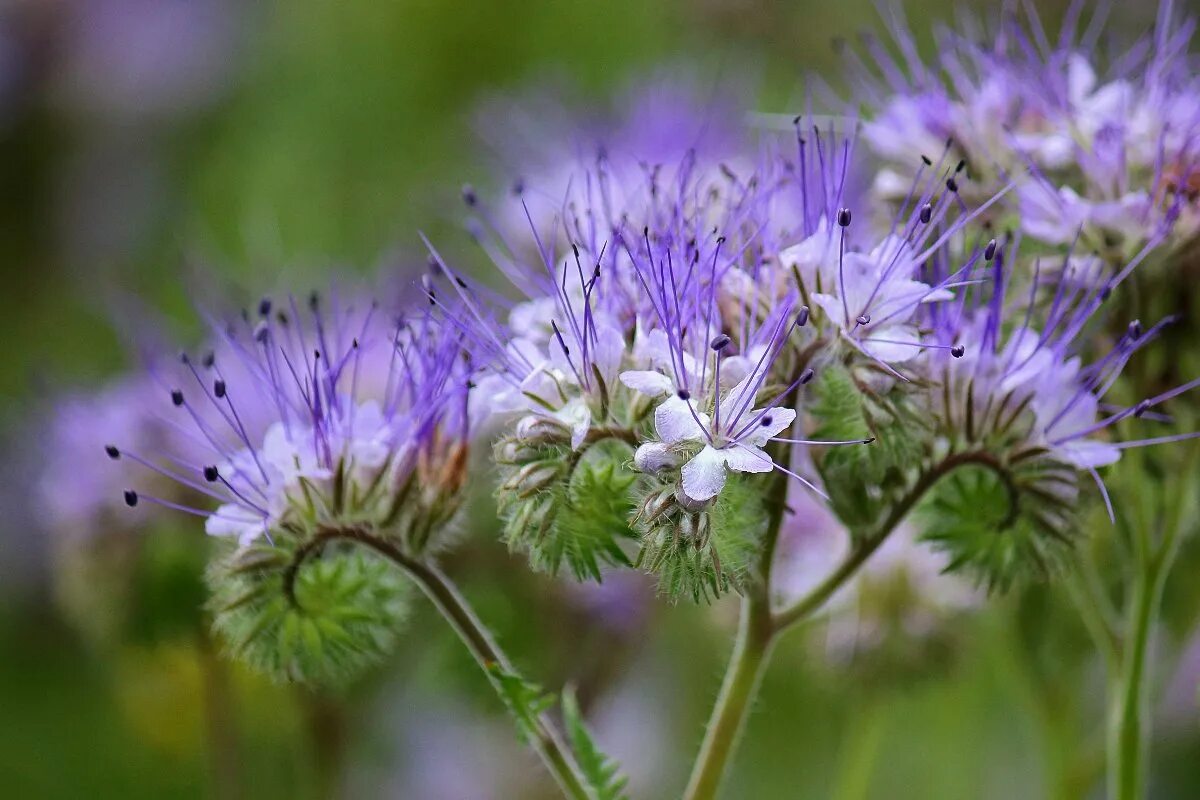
(603, 775)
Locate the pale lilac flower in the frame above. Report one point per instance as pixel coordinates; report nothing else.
(356, 402)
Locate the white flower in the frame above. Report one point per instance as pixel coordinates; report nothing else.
(679, 425)
(874, 298)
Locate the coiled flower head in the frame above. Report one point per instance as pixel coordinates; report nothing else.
(1027, 405)
(319, 424)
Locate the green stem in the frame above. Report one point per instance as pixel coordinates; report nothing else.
(1129, 704)
(750, 654)
(444, 595)
(862, 748)
(866, 546)
(1129, 740)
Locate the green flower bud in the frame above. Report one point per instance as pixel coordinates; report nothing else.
(320, 617)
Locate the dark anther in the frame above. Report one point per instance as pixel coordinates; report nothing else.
(871, 440)
(261, 332)
(843, 217)
(958, 350)
(518, 187)
(211, 474)
(264, 307)
(766, 421)
(131, 498)
(210, 358)
(1105, 293)
(719, 343)
(112, 451)
(989, 252)
(684, 394)
(952, 184)
(183, 357)
(177, 397)
(219, 388)
(468, 195)
(1135, 329)
(961, 166)
(802, 317)
(863, 319)
(926, 213)
(314, 301)
(1142, 408)
(927, 160)
(806, 376)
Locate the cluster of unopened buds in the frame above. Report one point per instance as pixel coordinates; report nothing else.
(912, 321)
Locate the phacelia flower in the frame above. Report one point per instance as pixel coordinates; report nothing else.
(1106, 151)
(354, 402)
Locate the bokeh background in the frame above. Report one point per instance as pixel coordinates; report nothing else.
(159, 153)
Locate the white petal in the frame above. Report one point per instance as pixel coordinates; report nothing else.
(740, 397)
(654, 384)
(578, 416)
(653, 456)
(234, 520)
(704, 475)
(898, 346)
(608, 350)
(747, 459)
(777, 419)
(1085, 453)
(675, 422)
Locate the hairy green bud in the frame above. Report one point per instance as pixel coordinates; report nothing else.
(296, 613)
(564, 507)
(700, 550)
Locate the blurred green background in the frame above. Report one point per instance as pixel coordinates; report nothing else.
(156, 152)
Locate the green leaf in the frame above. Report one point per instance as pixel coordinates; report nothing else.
(603, 775)
(526, 701)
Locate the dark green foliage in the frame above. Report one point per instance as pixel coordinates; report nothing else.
(707, 552)
(341, 616)
(603, 775)
(568, 509)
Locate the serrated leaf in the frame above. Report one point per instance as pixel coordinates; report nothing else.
(603, 775)
(525, 700)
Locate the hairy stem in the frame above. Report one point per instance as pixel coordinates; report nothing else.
(750, 654)
(479, 641)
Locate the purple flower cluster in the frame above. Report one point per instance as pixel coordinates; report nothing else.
(309, 413)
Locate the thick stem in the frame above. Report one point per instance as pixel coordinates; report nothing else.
(750, 654)
(478, 640)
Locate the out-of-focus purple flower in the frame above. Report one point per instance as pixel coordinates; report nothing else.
(80, 489)
(557, 156)
(1110, 150)
(144, 59)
